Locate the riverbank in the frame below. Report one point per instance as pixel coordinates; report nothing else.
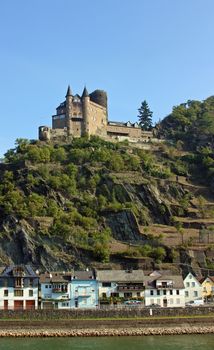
(50, 333)
(106, 328)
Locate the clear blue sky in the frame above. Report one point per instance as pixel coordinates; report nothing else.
(158, 50)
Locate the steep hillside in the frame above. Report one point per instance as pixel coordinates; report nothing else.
(96, 203)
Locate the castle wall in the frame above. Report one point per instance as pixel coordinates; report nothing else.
(97, 119)
(77, 127)
(129, 132)
(58, 121)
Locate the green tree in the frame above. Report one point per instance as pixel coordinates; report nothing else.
(145, 116)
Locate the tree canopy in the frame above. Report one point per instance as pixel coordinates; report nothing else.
(145, 116)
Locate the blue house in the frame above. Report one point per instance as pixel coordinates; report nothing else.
(84, 290)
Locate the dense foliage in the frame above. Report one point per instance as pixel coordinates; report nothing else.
(190, 127)
(72, 184)
(145, 116)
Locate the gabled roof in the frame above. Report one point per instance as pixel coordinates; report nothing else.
(177, 280)
(120, 275)
(160, 273)
(17, 270)
(83, 275)
(202, 279)
(55, 277)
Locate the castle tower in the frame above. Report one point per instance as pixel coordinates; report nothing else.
(85, 111)
(68, 113)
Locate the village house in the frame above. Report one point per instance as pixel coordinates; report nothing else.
(207, 284)
(83, 290)
(164, 290)
(55, 290)
(18, 288)
(193, 288)
(66, 290)
(122, 284)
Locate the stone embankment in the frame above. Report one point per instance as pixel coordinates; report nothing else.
(107, 332)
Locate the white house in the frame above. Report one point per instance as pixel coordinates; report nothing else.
(166, 290)
(18, 288)
(193, 288)
(126, 284)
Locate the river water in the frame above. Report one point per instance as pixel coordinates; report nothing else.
(180, 342)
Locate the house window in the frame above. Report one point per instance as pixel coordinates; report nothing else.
(138, 294)
(195, 293)
(186, 294)
(151, 292)
(104, 295)
(177, 291)
(65, 304)
(158, 292)
(31, 293)
(177, 301)
(171, 301)
(18, 282)
(187, 284)
(127, 295)
(18, 293)
(6, 293)
(106, 284)
(46, 286)
(164, 292)
(152, 301)
(193, 284)
(171, 292)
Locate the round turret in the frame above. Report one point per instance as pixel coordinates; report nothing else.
(99, 97)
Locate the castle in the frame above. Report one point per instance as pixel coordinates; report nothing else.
(88, 114)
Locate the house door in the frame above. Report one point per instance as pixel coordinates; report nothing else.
(18, 304)
(5, 304)
(30, 304)
(164, 302)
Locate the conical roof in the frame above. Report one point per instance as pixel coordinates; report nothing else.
(85, 92)
(68, 91)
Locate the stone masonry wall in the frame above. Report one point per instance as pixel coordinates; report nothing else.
(129, 312)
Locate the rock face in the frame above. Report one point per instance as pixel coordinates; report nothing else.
(124, 226)
(74, 200)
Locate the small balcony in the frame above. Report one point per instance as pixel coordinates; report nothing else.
(164, 286)
(127, 288)
(60, 289)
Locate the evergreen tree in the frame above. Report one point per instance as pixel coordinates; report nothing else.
(145, 116)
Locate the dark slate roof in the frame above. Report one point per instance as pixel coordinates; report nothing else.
(69, 91)
(26, 271)
(63, 104)
(150, 281)
(55, 276)
(83, 275)
(85, 92)
(120, 275)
